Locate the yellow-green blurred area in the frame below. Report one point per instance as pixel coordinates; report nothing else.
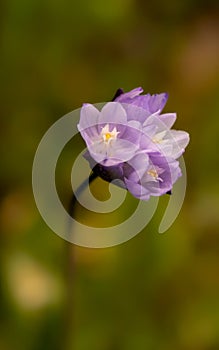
(156, 292)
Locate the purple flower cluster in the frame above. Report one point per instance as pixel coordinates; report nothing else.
(131, 143)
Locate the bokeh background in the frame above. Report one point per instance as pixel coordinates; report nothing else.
(154, 291)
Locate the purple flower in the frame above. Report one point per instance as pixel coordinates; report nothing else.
(169, 142)
(146, 110)
(152, 175)
(150, 103)
(110, 137)
(131, 142)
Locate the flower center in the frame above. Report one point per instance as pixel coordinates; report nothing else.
(154, 174)
(108, 135)
(158, 138)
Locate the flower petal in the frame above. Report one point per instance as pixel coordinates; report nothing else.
(157, 102)
(129, 95)
(139, 164)
(162, 121)
(179, 140)
(88, 117)
(113, 113)
(168, 119)
(119, 151)
(136, 113)
(137, 190)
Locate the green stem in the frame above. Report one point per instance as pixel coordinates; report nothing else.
(70, 271)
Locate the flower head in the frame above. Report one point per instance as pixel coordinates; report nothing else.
(157, 177)
(130, 141)
(109, 136)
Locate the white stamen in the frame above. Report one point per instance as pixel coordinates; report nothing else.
(154, 174)
(107, 135)
(158, 138)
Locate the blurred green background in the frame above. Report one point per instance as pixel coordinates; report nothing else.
(154, 291)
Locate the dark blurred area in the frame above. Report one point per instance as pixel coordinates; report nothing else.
(154, 291)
